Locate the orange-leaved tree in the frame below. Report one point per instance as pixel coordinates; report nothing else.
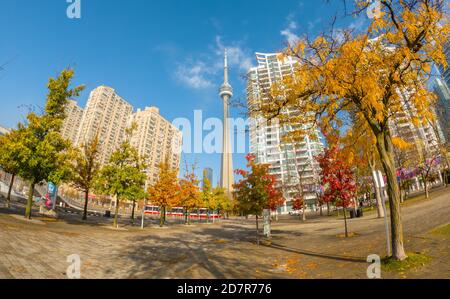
(165, 193)
(190, 193)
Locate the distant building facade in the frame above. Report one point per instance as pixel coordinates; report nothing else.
(72, 123)
(108, 115)
(446, 72)
(423, 137)
(442, 91)
(157, 140)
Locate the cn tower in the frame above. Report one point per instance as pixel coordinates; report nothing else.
(226, 174)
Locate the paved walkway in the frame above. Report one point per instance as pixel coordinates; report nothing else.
(315, 249)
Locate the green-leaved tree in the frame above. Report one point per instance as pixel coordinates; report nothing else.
(124, 175)
(43, 152)
(9, 157)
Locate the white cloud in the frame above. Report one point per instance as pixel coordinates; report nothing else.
(205, 73)
(194, 74)
(289, 32)
(237, 56)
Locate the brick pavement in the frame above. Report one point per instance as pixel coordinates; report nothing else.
(223, 250)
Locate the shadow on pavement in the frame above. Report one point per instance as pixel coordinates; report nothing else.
(318, 254)
(194, 256)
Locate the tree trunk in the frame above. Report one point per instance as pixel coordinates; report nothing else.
(427, 193)
(162, 216)
(257, 231)
(328, 209)
(444, 177)
(86, 199)
(132, 212)
(116, 216)
(386, 150)
(304, 213)
(8, 198)
(186, 218)
(345, 221)
(30, 201)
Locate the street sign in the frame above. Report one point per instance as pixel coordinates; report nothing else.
(52, 191)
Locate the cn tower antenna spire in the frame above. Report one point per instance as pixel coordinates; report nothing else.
(225, 67)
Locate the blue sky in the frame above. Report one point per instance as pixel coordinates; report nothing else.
(154, 53)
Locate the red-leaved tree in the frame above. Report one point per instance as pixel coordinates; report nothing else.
(337, 180)
(257, 190)
(299, 203)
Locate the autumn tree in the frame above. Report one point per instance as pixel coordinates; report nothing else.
(207, 194)
(359, 149)
(427, 167)
(299, 181)
(298, 203)
(43, 151)
(10, 157)
(338, 181)
(256, 190)
(165, 193)
(223, 202)
(134, 194)
(86, 168)
(375, 74)
(191, 196)
(124, 176)
(209, 200)
(403, 162)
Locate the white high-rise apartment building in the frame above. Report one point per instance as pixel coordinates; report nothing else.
(423, 139)
(443, 107)
(107, 115)
(157, 140)
(71, 125)
(290, 162)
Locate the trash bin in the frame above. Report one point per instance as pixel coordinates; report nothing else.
(108, 214)
(352, 213)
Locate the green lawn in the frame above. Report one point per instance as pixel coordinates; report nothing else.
(411, 200)
(414, 260)
(443, 230)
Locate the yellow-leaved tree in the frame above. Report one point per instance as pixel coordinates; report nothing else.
(165, 193)
(375, 75)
